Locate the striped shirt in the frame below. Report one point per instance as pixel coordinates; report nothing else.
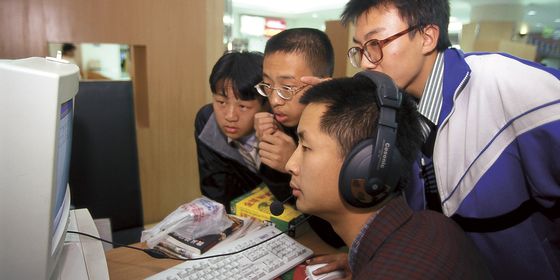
(247, 147)
(431, 101)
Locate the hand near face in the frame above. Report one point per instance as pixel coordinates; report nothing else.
(275, 149)
(311, 80)
(334, 262)
(264, 124)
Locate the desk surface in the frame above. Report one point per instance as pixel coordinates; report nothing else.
(125, 263)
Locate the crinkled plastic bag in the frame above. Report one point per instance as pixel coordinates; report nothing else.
(197, 218)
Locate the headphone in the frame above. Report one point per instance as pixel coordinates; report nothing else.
(370, 172)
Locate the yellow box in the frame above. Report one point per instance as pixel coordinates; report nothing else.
(257, 204)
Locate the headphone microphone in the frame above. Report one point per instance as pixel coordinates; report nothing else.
(370, 172)
(277, 207)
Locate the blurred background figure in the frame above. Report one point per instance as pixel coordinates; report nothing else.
(68, 52)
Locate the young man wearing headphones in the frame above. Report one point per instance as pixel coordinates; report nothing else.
(358, 138)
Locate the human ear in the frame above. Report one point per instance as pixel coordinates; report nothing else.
(430, 36)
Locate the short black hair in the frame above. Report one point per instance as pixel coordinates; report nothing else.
(419, 13)
(68, 47)
(313, 44)
(243, 70)
(352, 114)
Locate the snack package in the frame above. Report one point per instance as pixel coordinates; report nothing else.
(197, 218)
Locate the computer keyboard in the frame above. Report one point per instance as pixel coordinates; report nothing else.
(265, 261)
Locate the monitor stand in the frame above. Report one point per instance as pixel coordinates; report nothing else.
(82, 257)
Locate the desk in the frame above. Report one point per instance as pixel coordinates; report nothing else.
(127, 263)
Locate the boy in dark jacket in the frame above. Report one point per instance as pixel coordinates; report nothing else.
(228, 161)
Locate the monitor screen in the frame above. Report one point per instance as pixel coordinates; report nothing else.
(64, 143)
(36, 111)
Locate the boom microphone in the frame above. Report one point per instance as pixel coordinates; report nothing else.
(277, 207)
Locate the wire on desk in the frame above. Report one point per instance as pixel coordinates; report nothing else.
(158, 255)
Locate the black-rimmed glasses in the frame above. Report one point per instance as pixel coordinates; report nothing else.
(372, 49)
(284, 92)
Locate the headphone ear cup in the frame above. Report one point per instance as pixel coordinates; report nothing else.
(354, 184)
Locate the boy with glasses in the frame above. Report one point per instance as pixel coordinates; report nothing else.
(491, 124)
(228, 162)
(288, 56)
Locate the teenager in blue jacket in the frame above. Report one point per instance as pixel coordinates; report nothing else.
(496, 119)
(491, 124)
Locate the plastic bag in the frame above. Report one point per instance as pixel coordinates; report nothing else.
(197, 218)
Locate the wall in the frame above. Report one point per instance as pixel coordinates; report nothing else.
(341, 39)
(518, 49)
(175, 43)
(495, 36)
(485, 35)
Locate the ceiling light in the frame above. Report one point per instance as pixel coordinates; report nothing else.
(227, 19)
(524, 29)
(455, 27)
(532, 13)
(557, 20)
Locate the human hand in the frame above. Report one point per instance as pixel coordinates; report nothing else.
(276, 149)
(312, 80)
(334, 262)
(264, 124)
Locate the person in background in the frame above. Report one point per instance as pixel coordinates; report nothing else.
(69, 52)
(288, 56)
(491, 128)
(387, 239)
(228, 162)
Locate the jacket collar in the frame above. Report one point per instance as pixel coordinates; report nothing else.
(394, 215)
(456, 74)
(213, 137)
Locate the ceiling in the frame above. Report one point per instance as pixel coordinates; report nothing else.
(546, 12)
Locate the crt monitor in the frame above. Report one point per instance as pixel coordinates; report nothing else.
(36, 110)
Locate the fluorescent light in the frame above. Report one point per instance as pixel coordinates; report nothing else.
(252, 25)
(455, 27)
(227, 19)
(532, 13)
(524, 29)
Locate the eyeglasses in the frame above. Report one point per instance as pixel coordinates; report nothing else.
(372, 49)
(284, 92)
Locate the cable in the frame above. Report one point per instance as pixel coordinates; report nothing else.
(153, 253)
(158, 255)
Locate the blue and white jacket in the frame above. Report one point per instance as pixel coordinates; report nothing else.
(497, 147)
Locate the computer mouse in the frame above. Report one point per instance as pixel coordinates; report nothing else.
(337, 274)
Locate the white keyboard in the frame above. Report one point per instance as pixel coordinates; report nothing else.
(265, 261)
